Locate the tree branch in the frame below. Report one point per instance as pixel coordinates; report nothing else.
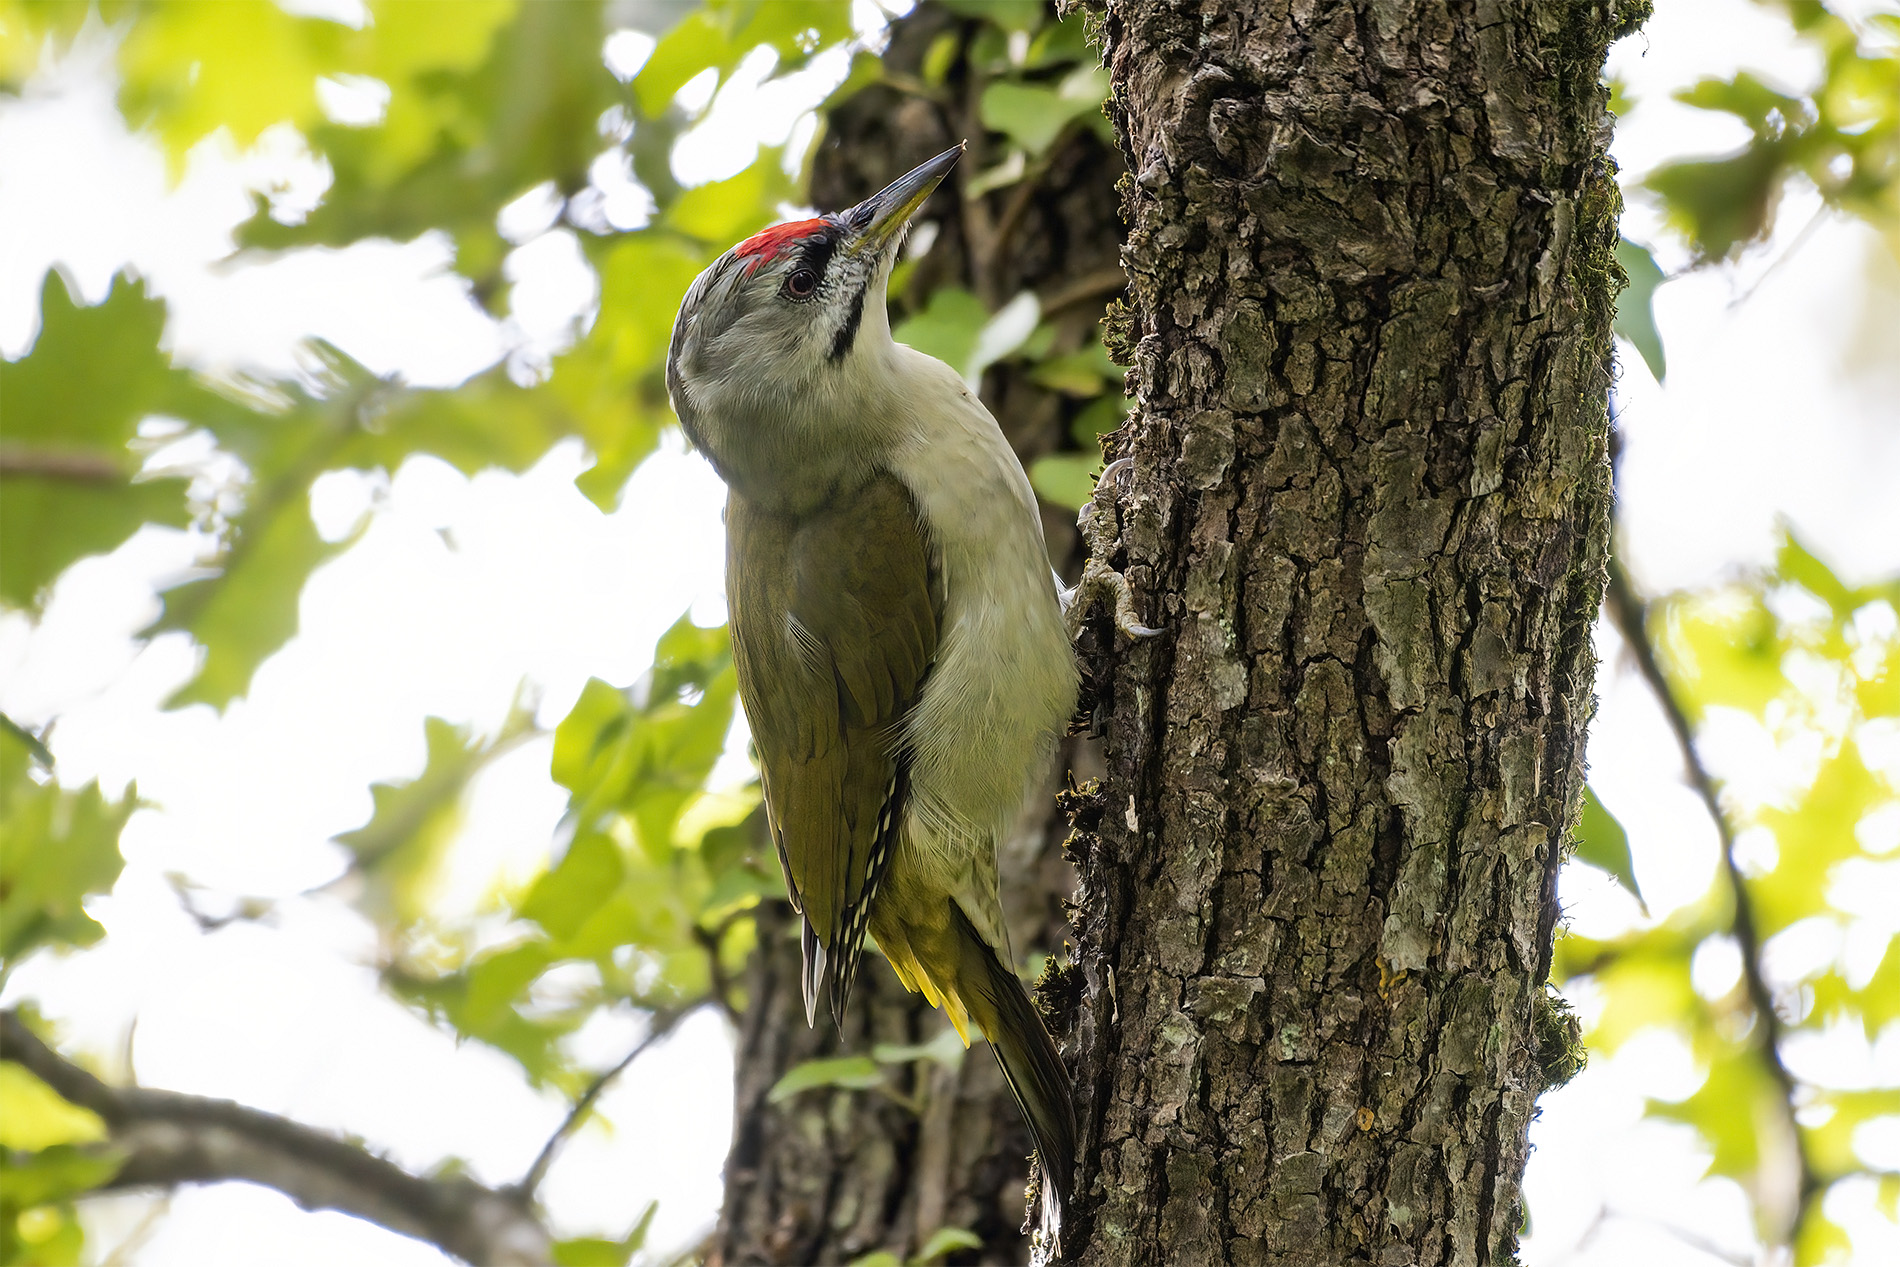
(1630, 613)
(1101, 285)
(80, 466)
(661, 1025)
(169, 1139)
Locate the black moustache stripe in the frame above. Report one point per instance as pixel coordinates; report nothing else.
(848, 332)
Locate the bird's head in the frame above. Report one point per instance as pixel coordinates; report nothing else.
(791, 320)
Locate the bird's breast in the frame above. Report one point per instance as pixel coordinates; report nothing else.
(1004, 682)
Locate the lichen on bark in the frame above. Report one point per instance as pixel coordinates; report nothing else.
(1371, 280)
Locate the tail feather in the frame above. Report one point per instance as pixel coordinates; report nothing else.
(813, 977)
(998, 1002)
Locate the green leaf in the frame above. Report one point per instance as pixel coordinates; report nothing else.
(854, 1073)
(719, 35)
(938, 59)
(946, 1240)
(1011, 15)
(722, 212)
(594, 1251)
(191, 67)
(1831, 1143)
(69, 483)
(1798, 564)
(563, 899)
(1724, 648)
(1065, 479)
(496, 981)
(1814, 836)
(1720, 205)
(56, 849)
(1736, 1095)
(247, 610)
(1602, 842)
(945, 1049)
(400, 850)
(246, 607)
(645, 754)
(612, 384)
(34, 1116)
(487, 422)
(947, 328)
(1822, 1240)
(29, 27)
(1766, 111)
(590, 1251)
(1646, 983)
(1635, 306)
(1034, 115)
(1098, 418)
(462, 138)
(27, 739)
(1087, 372)
(53, 1174)
(484, 1002)
(697, 44)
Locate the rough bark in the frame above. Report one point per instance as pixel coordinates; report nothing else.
(1369, 248)
(831, 1175)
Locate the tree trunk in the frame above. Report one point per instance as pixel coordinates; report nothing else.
(1371, 277)
(830, 1175)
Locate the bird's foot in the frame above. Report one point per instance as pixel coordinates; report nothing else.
(1100, 582)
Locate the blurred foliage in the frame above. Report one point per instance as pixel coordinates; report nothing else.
(519, 120)
(1813, 667)
(57, 848)
(1809, 668)
(84, 495)
(1841, 135)
(600, 1251)
(943, 1241)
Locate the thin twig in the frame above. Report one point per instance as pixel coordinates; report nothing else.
(32, 742)
(1800, 240)
(979, 230)
(1631, 616)
(1694, 1240)
(663, 1023)
(1021, 198)
(134, 1241)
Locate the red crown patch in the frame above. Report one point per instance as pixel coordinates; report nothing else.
(766, 246)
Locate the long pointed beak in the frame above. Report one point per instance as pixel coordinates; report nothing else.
(883, 215)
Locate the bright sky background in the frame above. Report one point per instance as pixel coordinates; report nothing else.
(1780, 405)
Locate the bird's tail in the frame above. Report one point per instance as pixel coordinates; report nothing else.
(996, 999)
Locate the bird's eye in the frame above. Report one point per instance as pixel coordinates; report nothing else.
(801, 283)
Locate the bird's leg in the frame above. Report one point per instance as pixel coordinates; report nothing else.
(1100, 581)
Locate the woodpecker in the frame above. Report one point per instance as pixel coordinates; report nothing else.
(900, 642)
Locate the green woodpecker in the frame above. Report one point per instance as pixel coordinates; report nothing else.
(901, 650)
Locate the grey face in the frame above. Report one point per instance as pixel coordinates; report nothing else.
(775, 311)
(768, 337)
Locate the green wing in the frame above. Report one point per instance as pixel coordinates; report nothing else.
(834, 617)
